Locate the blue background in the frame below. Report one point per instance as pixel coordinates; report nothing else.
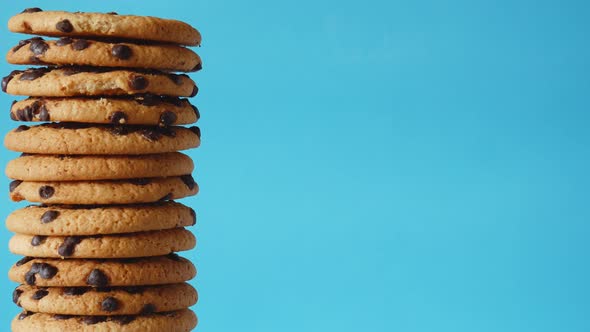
(383, 165)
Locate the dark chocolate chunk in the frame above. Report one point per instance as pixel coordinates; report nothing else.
(97, 278)
(148, 309)
(21, 44)
(25, 314)
(63, 41)
(196, 130)
(197, 113)
(67, 248)
(43, 113)
(140, 181)
(168, 118)
(64, 26)
(75, 291)
(14, 184)
(195, 91)
(109, 304)
(112, 13)
(118, 117)
(194, 215)
(138, 82)
(91, 320)
(123, 320)
(189, 181)
(45, 271)
(122, 52)
(151, 134)
(30, 278)
(16, 295)
(24, 261)
(38, 240)
(32, 10)
(33, 74)
(45, 192)
(49, 216)
(38, 295)
(38, 46)
(21, 128)
(80, 44)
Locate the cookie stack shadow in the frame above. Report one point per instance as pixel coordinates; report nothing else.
(102, 171)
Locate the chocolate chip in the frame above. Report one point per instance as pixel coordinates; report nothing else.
(75, 291)
(45, 192)
(91, 320)
(138, 82)
(68, 247)
(46, 271)
(189, 181)
(38, 46)
(97, 278)
(122, 320)
(9, 78)
(148, 309)
(62, 317)
(43, 113)
(49, 216)
(174, 257)
(198, 67)
(168, 118)
(16, 296)
(21, 128)
(122, 52)
(64, 26)
(14, 184)
(167, 131)
(151, 135)
(118, 117)
(80, 44)
(196, 110)
(25, 314)
(32, 10)
(112, 13)
(177, 79)
(196, 130)
(195, 91)
(194, 215)
(63, 41)
(109, 304)
(24, 261)
(148, 100)
(166, 198)
(33, 74)
(140, 181)
(38, 295)
(37, 240)
(30, 278)
(21, 44)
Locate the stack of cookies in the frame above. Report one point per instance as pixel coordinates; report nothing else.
(103, 171)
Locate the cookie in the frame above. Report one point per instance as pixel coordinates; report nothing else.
(144, 244)
(133, 300)
(137, 110)
(67, 51)
(92, 81)
(105, 192)
(56, 272)
(59, 23)
(76, 168)
(75, 139)
(176, 321)
(66, 220)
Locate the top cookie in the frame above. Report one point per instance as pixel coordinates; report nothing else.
(81, 52)
(59, 23)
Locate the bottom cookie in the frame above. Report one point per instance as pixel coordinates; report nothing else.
(177, 321)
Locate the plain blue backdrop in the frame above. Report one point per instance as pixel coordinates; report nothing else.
(383, 165)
